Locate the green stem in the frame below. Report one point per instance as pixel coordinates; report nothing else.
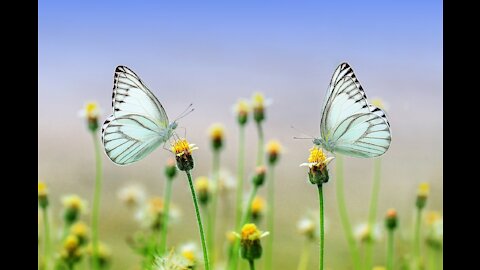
(347, 228)
(213, 214)
(438, 262)
(96, 200)
(417, 236)
(166, 215)
(260, 144)
(252, 264)
(270, 219)
(199, 221)
(372, 214)
(46, 230)
(390, 250)
(240, 172)
(322, 224)
(245, 218)
(302, 265)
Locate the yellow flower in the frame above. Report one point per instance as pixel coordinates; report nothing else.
(274, 148)
(74, 202)
(42, 189)
(104, 252)
(259, 103)
(71, 243)
(231, 237)
(251, 233)
(378, 102)
(155, 205)
(202, 184)
(423, 189)
(258, 205)
(172, 261)
(79, 229)
(216, 131)
(91, 110)
(183, 154)
(132, 195)
(432, 217)
(242, 107)
(317, 163)
(258, 100)
(190, 252)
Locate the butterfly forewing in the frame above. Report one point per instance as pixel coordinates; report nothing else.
(349, 123)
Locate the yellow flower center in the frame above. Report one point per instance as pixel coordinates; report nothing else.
(258, 100)
(71, 243)
(73, 202)
(91, 109)
(79, 229)
(250, 232)
(317, 156)
(258, 204)
(182, 147)
(216, 131)
(242, 107)
(391, 213)
(202, 184)
(42, 189)
(274, 147)
(432, 217)
(231, 237)
(189, 255)
(423, 189)
(156, 205)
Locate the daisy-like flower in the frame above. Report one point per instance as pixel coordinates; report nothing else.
(42, 194)
(435, 230)
(190, 252)
(257, 208)
(80, 230)
(183, 154)
(217, 135)
(391, 219)
(202, 187)
(71, 252)
(172, 261)
(242, 109)
(317, 164)
(306, 226)
(91, 111)
(74, 206)
(363, 233)
(422, 195)
(259, 103)
(274, 149)
(250, 247)
(104, 255)
(132, 195)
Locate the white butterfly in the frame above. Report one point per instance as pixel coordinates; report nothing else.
(138, 124)
(349, 124)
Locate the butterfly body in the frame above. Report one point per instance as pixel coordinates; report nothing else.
(138, 124)
(349, 124)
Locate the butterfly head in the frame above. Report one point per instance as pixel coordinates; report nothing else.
(173, 125)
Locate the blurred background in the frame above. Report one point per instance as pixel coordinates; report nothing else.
(211, 53)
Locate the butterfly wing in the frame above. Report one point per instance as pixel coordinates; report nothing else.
(350, 125)
(138, 124)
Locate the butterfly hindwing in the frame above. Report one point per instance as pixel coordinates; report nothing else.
(349, 124)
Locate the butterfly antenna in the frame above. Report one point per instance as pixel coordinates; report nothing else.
(306, 136)
(185, 112)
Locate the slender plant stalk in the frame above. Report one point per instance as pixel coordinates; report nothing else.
(270, 219)
(438, 262)
(213, 214)
(232, 261)
(302, 265)
(322, 225)
(372, 214)
(260, 145)
(416, 241)
(96, 200)
(199, 221)
(390, 250)
(46, 232)
(240, 176)
(252, 264)
(166, 215)
(347, 228)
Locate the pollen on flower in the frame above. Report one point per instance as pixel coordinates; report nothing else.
(274, 147)
(258, 205)
(242, 107)
(423, 189)
(258, 100)
(216, 131)
(42, 189)
(71, 243)
(317, 156)
(202, 184)
(181, 147)
(79, 229)
(250, 232)
(73, 202)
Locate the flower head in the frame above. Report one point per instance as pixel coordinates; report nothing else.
(391, 219)
(42, 194)
(432, 217)
(183, 154)
(231, 237)
(422, 194)
(259, 103)
(251, 248)
(202, 186)
(364, 234)
(306, 226)
(170, 169)
(172, 261)
(378, 102)
(132, 195)
(80, 230)
(104, 255)
(317, 164)
(435, 233)
(74, 206)
(257, 207)
(190, 252)
(91, 111)
(217, 135)
(71, 252)
(274, 148)
(241, 109)
(259, 177)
